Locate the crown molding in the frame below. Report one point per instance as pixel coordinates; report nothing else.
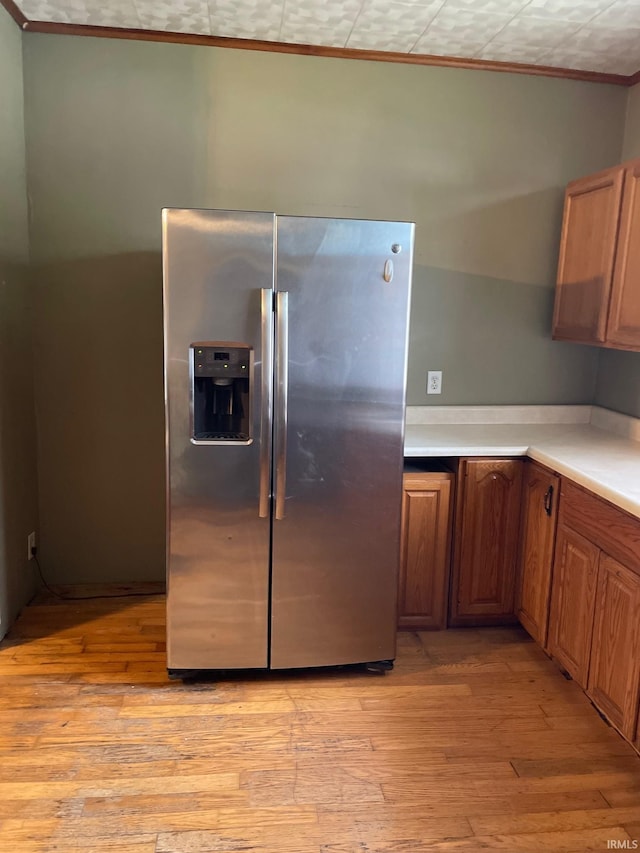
(15, 13)
(635, 78)
(313, 50)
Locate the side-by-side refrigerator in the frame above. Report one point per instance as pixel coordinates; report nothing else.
(285, 364)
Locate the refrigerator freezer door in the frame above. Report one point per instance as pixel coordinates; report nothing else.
(335, 550)
(217, 265)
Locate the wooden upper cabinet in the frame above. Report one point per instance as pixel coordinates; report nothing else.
(540, 493)
(424, 552)
(598, 287)
(587, 253)
(614, 673)
(572, 602)
(486, 541)
(623, 328)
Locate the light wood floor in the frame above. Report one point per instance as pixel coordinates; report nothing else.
(475, 742)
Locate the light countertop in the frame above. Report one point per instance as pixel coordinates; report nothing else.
(599, 459)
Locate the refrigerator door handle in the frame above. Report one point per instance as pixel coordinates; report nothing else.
(266, 331)
(282, 390)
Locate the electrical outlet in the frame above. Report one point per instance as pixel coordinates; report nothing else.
(434, 382)
(31, 545)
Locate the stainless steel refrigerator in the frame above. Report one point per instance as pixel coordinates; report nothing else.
(285, 362)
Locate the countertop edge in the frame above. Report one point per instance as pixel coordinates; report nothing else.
(435, 450)
(552, 449)
(598, 488)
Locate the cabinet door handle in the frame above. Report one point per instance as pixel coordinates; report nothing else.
(548, 501)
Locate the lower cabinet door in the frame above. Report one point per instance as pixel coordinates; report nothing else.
(614, 672)
(424, 561)
(539, 503)
(486, 542)
(572, 602)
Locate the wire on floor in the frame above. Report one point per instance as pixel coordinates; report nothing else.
(84, 597)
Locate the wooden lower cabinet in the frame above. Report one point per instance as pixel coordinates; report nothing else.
(572, 602)
(485, 551)
(425, 543)
(614, 673)
(581, 598)
(540, 493)
(594, 621)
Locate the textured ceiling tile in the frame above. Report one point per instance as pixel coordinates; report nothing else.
(245, 8)
(115, 13)
(567, 58)
(251, 18)
(505, 7)
(460, 24)
(320, 36)
(446, 47)
(440, 44)
(380, 41)
(66, 12)
(611, 42)
(246, 29)
(619, 65)
(330, 13)
(514, 53)
(536, 32)
(572, 59)
(415, 7)
(391, 19)
(177, 16)
(579, 11)
(257, 19)
(329, 23)
(623, 13)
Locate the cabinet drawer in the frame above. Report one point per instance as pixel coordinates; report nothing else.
(608, 527)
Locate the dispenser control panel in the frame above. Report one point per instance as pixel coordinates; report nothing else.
(221, 393)
(224, 362)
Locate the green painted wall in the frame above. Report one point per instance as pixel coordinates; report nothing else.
(117, 129)
(618, 383)
(18, 482)
(631, 143)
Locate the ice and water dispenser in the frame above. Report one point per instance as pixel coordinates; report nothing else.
(221, 392)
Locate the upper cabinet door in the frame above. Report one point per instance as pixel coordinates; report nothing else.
(587, 250)
(624, 315)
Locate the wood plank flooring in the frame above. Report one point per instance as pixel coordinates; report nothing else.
(474, 742)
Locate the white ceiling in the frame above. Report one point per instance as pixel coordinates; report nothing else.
(588, 35)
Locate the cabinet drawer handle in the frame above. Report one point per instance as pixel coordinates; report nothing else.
(548, 501)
